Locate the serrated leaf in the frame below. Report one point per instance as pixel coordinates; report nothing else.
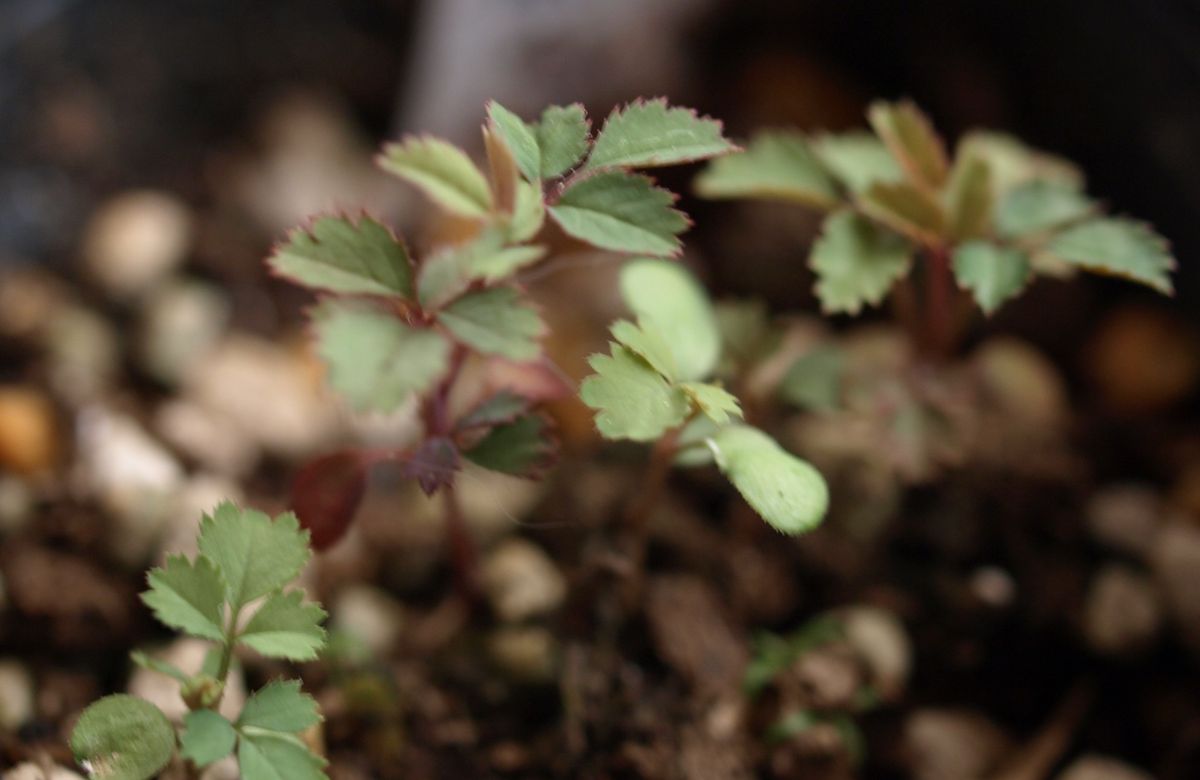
(254, 553)
(503, 407)
(498, 321)
(647, 134)
(785, 491)
(1012, 163)
(969, 199)
(374, 360)
(206, 737)
(857, 160)
(504, 176)
(520, 137)
(631, 399)
(649, 345)
(529, 213)
(1117, 247)
(906, 209)
(523, 447)
(448, 273)
(443, 171)
(993, 274)
(623, 212)
(562, 137)
(433, 464)
(1038, 206)
(326, 493)
(121, 737)
(280, 706)
(344, 256)
(856, 263)
(273, 756)
(717, 403)
(668, 299)
(814, 381)
(162, 667)
(286, 627)
(775, 165)
(910, 137)
(188, 596)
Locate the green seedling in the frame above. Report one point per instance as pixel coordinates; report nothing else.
(232, 594)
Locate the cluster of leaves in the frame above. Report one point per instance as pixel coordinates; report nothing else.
(400, 330)
(651, 386)
(999, 213)
(232, 593)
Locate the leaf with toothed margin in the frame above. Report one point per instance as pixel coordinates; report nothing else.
(1117, 247)
(497, 321)
(992, 273)
(623, 212)
(280, 706)
(563, 138)
(969, 199)
(448, 273)
(785, 491)
(1039, 206)
(668, 299)
(342, 255)
(857, 160)
(521, 139)
(206, 737)
(776, 165)
(442, 171)
(650, 133)
(631, 399)
(649, 344)
(286, 627)
(717, 403)
(433, 464)
(503, 407)
(906, 209)
(188, 596)
(856, 262)
(272, 755)
(254, 553)
(523, 447)
(910, 137)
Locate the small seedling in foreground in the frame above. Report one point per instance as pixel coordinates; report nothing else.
(232, 594)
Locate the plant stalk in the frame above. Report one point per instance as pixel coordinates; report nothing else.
(939, 333)
(464, 555)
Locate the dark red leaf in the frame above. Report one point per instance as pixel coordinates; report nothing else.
(326, 494)
(433, 464)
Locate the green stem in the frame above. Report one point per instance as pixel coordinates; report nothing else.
(227, 653)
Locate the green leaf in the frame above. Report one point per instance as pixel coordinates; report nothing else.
(632, 400)
(1012, 163)
(340, 255)
(523, 447)
(649, 133)
(562, 138)
(520, 138)
(858, 160)
(443, 171)
(207, 737)
(776, 165)
(623, 212)
(910, 137)
(162, 667)
(121, 737)
(714, 401)
(969, 199)
(268, 755)
(856, 263)
(376, 361)
(529, 213)
(785, 491)
(498, 321)
(188, 596)
(649, 345)
(503, 407)
(667, 298)
(691, 447)
(285, 627)
(992, 273)
(448, 273)
(1118, 247)
(814, 381)
(280, 706)
(255, 554)
(746, 333)
(906, 209)
(1038, 206)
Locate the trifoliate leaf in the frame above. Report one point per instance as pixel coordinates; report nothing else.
(376, 361)
(448, 273)
(1012, 163)
(345, 256)
(785, 491)
(621, 211)
(255, 554)
(188, 596)
(443, 171)
(649, 344)
(280, 706)
(1118, 247)
(121, 737)
(206, 737)
(1038, 206)
(910, 137)
(562, 136)
(520, 137)
(992, 273)
(529, 213)
(162, 667)
(858, 160)
(714, 401)
(270, 755)
(285, 627)
(776, 165)
(326, 493)
(498, 321)
(649, 133)
(503, 407)
(631, 399)
(908, 210)
(856, 263)
(523, 447)
(667, 298)
(814, 381)
(969, 199)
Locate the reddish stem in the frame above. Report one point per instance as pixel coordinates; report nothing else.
(464, 554)
(939, 333)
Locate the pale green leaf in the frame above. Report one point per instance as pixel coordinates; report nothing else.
(906, 209)
(443, 171)
(523, 447)
(1117, 247)
(254, 553)
(785, 491)
(342, 255)
(529, 213)
(856, 263)
(649, 133)
(448, 273)
(269, 755)
(993, 274)
(858, 160)
(187, 596)
(562, 136)
(969, 199)
(1038, 206)
(668, 299)
(623, 212)
(717, 403)
(375, 360)
(121, 737)
(776, 165)
(498, 321)
(520, 137)
(910, 137)
(1012, 163)
(649, 344)
(631, 399)
(746, 333)
(206, 737)
(162, 667)
(503, 407)
(814, 381)
(691, 447)
(280, 706)
(286, 627)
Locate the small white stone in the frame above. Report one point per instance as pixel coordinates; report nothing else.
(83, 352)
(371, 616)
(993, 586)
(1123, 612)
(880, 640)
(188, 656)
(213, 440)
(16, 695)
(180, 321)
(522, 582)
(1092, 767)
(1125, 517)
(1175, 559)
(32, 771)
(953, 744)
(134, 240)
(524, 653)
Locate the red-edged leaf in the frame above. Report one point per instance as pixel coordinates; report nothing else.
(433, 464)
(523, 448)
(503, 407)
(326, 494)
